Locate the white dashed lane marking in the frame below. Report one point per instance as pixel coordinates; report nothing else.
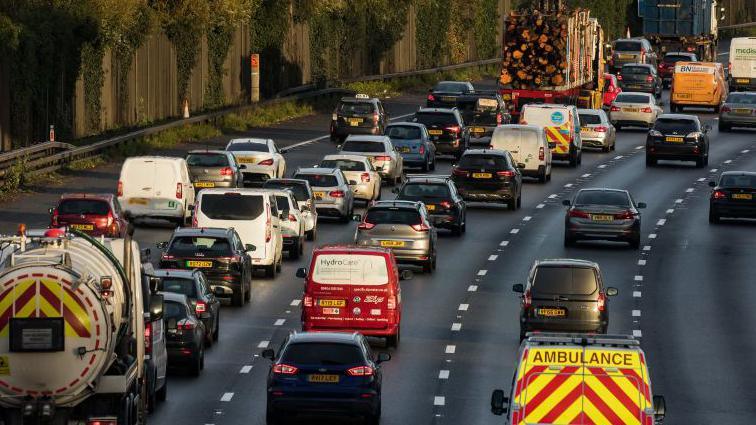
(439, 400)
(661, 222)
(539, 206)
(450, 349)
(586, 175)
(482, 272)
(527, 218)
(463, 307)
(713, 170)
(637, 333)
(568, 185)
(443, 374)
(263, 344)
(245, 369)
(602, 166)
(689, 190)
(295, 302)
(227, 397)
(670, 211)
(702, 179)
(638, 278)
(647, 248)
(744, 151)
(472, 288)
(456, 327)
(636, 313)
(553, 195)
(504, 243)
(678, 201)
(514, 231)
(618, 157)
(279, 322)
(641, 262)
(728, 161)
(637, 294)
(639, 147)
(492, 257)
(652, 236)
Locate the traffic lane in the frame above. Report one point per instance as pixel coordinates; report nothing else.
(698, 314)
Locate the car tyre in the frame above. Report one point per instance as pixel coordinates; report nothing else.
(294, 251)
(635, 241)
(542, 177)
(430, 264)
(713, 216)
(519, 201)
(199, 362)
(270, 271)
(311, 234)
(650, 161)
(568, 240)
(279, 263)
(573, 159)
(700, 162)
(433, 164)
(152, 400)
(237, 298)
(216, 332)
(522, 334)
(606, 149)
(272, 417)
(393, 340)
(162, 393)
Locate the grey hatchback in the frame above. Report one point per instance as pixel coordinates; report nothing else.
(211, 168)
(603, 214)
(564, 295)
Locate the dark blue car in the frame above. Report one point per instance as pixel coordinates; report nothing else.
(413, 143)
(327, 373)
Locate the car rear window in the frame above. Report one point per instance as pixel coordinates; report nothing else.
(747, 99)
(343, 164)
(83, 206)
(743, 182)
(602, 197)
(283, 203)
(403, 132)
(635, 70)
(350, 269)
(425, 190)
(483, 161)
(435, 118)
(627, 46)
(359, 108)
(174, 310)
(207, 245)
(298, 188)
(393, 215)
(632, 98)
(588, 119)
(231, 206)
(319, 180)
(178, 285)
(322, 353)
(678, 58)
(665, 125)
(248, 147)
(565, 280)
(206, 160)
(451, 87)
(363, 146)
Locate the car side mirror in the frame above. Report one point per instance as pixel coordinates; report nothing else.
(248, 247)
(660, 407)
(162, 245)
(612, 292)
(302, 272)
(219, 292)
(382, 357)
(566, 202)
(712, 184)
(357, 217)
(303, 208)
(641, 205)
(353, 182)
(154, 284)
(498, 402)
(156, 307)
(242, 166)
(406, 275)
(268, 353)
(518, 288)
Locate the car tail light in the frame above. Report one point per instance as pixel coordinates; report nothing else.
(649, 79)
(185, 325)
(268, 161)
(360, 371)
(148, 338)
(643, 54)
(445, 204)
(420, 227)
(619, 77)
(365, 225)
(458, 172)
(307, 301)
(646, 110)
(600, 129)
(54, 219)
(505, 173)
(383, 158)
(365, 177)
(391, 303)
(624, 215)
(498, 118)
(226, 171)
(165, 256)
(201, 307)
(109, 219)
(375, 118)
(179, 191)
(431, 98)
(284, 369)
(726, 109)
(454, 129)
(421, 149)
(120, 188)
(292, 217)
(336, 194)
(527, 299)
(578, 214)
(718, 194)
(102, 421)
(729, 67)
(614, 108)
(601, 302)
(541, 153)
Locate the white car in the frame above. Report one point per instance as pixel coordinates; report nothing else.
(634, 109)
(381, 153)
(253, 213)
(292, 223)
(261, 157)
(364, 181)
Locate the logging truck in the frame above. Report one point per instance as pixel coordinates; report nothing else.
(552, 55)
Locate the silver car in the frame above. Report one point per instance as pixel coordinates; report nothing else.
(634, 109)
(596, 130)
(363, 179)
(381, 153)
(603, 214)
(738, 110)
(403, 226)
(330, 188)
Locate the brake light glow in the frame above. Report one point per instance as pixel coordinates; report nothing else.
(102, 421)
(445, 204)
(360, 371)
(527, 299)
(649, 79)
(498, 118)
(421, 227)
(167, 257)
(421, 149)
(284, 369)
(148, 338)
(383, 158)
(336, 194)
(365, 225)
(179, 191)
(601, 302)
(624, 215)
(615, 108)
(458, 172)
(578, 214)
(268, 161)
(365, 177)
(600, 129)
(307, 301)
(718, 194)
(726, 109)
(454, 129)
(120, 188)
(109, 219)
(431, 98)
(391, 303)
(646, 110)
(505, 173)
(541, 153)
(185, 325)
(268, 226)
(226, 171)
(201, 307)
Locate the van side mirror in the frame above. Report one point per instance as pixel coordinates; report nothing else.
(660, 407)
(712, 184)
(156, 307)
(518, 288)
(406, 275)
(498, 402)
(162, 245)
(357, 217)
(302, 272)
(155, 284)
(382, 357)
(612, 292)
(566, 203)
(268, 353)
(641, 205)
(248, 247)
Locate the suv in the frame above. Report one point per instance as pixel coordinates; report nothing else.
(333, 197)
(564, 295)
(381, 153)
(482, 111)
(631, 50)
(679, 137)
(640, 77)
(445, 206)
(445, 93)
(208, 168)
(403, 226)
(489, 175)
(446, 128)
(360, 114)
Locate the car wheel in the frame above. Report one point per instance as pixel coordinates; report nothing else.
(716, 109)
(426, 165)
(573, 159)
(706, 160)
(635, 241)
(511, 204)
(311, 234)
(270, 271)
(606, 149)
(519, 200)
(237, 298)
(713, 216)
(216, 332)
(430, 263)
(374, 419)
(650, 161)
(522, 334)
(294, 252)
(278, 264)
(272, 417)
(198, 362)
(152, 399)
(568, 240)
(209, 339)
(700, 162)
(393, 340)
(433, 164)
(247, 294)
(162, 393)
(542, 176)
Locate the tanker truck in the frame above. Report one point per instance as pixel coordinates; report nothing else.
(71, 329)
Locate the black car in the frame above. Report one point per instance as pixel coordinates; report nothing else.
(445, 93)
(639, 77)
(324, 373)
(219, 253)
(564, 295)
(734, 196)
(445, 206)
(489, 175)
(194, 285)
(185, 334)
(358, 115)
(446, 128)
(603, 214)
(482, 112)
(679, 137)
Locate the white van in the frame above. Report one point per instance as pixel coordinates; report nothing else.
(742, 66)
(528, 145)
(253, 213)
(156, 187)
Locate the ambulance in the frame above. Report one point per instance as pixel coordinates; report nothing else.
(562, 126)
(580, 379)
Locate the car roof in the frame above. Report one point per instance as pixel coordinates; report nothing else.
(644, 65)
(372, 100)
(202, 231)
(602, 189)
(679, 117)
(739, 173)
(590, 111)
(437, 110)
(329, 337)
(318, 170)
(289, 181)
(531, 127)
(175, 297)
(174, 272)
(548, 105)
(680, 53)
(427, 178)
(453, 81)
(251, 140)
(395, 204)
(498, 152)
(231, 190)
(646, 95)
(281, 192)
(367, 138)
(629, 39)
(406, 124)
(358, 158)
(96, 196)
(206, 151)
(566, 262)
(563, 339)
(350, 249)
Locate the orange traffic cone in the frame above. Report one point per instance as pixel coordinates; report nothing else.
(186, 108)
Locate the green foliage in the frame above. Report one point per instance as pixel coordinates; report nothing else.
(430, 21)
(190, 133)
(377, 88)
(485, 24)
(9, 34)
(93, 79)
(264, 116)
(14, 177)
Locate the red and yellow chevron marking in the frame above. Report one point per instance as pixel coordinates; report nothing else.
(44, 297)
(560, 136)
(572, 386)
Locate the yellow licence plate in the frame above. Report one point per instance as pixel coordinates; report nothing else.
(448, 98)
(204, 184)
(552, 312)
(326, 379)
(742, 111)
(481, 175)
(82, 226)
(138, 201)
(319, 195)
(392, 244)
(673, 139)
(746, 196)
(743, 80)
(332, 303)
(683, 95)
(430, 207)
(478, 130)
(354, 122)
(247, 160)
(435, 132)
(601, 217)
(201, 264)
(630, 109)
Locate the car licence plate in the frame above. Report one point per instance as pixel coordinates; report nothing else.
(683, 95)
(630, 109)
(403, 149)
(138, 201)
(331, 310)
(673, 139)
(204, 184)
(552, 312)
(746, 196)
(435, 132)
(601, 217)
(354, 122)
(478, 130)
(743, 80)
(430, 207)
(481, 175)
(325, 379)
(82, 226)
(247, 160)
(201, 264)
(319, 195)
(392, 244)
(332, 303)
(448, 98)
(742, 111)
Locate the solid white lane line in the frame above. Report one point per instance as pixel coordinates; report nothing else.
(279, 322)
(504, 243)
(637, 333)
(670, 211)
(641, 262)
(439, 400)
(553, 195)
(661, 222)
(527, 218)
(263, 344)
(689, 190)
(295, 302)
(482, 272)
(472, 288)
(443, 374)
(652, 236)
(647, 248)
(638, 278)
(492, 257)
(450, 349)
(728, 161)
(539, 206)
(514, 231)
(463, 307)
(637, 294)
(227, 396)
(636, 313)
(245, 369)
(456, 327)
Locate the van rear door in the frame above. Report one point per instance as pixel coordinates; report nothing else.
(248, 213)
(138, 177)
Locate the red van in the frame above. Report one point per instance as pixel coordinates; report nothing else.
(351, 288)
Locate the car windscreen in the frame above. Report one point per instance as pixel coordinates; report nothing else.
(282, 202)
(603, 197)
(627, 46)
(566, 280)
(319, 180)
(403, 132)
(635, 70)
(178, 285)
(350, 269)
(83, 206)
(589, 119)
(322, 353)
(451, 87)
(174, 310)
(666, 125)
(343, 164)
(393, 215)
(206, 160)
(482, 161)
(425, 190)
(363, 146)
(231, 206)
(248, 147)
(358, 108)
(742, 98)
(678, 58)
(632, 98)
(435, 118)
(205, 245)
(299, 189)
(743, 182)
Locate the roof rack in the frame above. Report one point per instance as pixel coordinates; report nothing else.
(555, 338)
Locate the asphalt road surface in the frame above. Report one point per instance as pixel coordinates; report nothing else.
(687, 293)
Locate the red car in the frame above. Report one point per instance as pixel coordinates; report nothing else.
(611, 89)
(97, 214)
(667, 65)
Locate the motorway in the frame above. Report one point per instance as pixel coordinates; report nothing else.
(687, 293)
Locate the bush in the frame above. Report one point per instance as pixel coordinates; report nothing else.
(262, 116)
(375, 88)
